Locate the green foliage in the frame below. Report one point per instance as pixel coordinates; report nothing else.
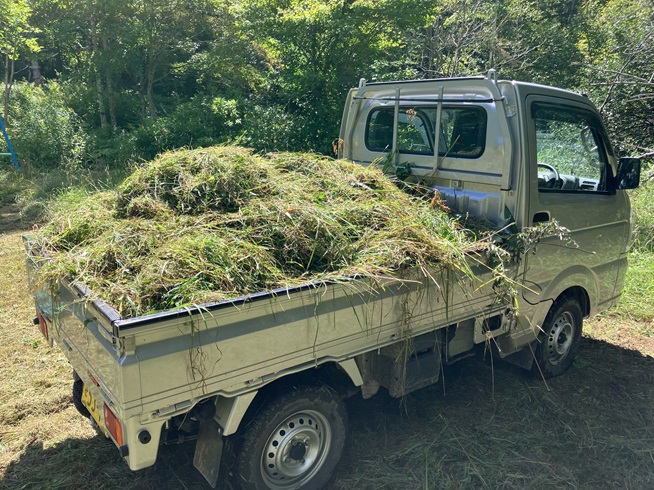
(17, 38)
(200, 122)
(619, 56)
(115, 151)
(637, 301)
(317, 49)
(46, 134)
(272, 128)
(16, 34)
(642, 202)
(147, 74)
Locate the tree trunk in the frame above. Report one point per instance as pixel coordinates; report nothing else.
(152, 109)
(110, 89)
(35, 71)
(9, 82)
(141, 91)
(5, 95)
(112, 103)
(101, 108)
(98, 79)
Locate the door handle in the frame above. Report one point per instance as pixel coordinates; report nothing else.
(542, 217)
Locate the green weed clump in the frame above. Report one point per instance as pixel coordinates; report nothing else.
(637, 300)
(642, 202)
(79, 219)
(195, 226)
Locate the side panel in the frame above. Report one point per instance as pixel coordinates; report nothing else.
(152, 368)
(238, 349)
(92, 350)
(82, 330)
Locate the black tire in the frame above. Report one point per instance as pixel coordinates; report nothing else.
(78, 386)
(558, 342)
(295, 441)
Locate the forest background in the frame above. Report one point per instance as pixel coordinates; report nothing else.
(103, 84)
(92, 88)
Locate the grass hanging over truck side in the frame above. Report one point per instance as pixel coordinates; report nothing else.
(195, 226)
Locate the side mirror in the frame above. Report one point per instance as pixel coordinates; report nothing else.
(628, 173)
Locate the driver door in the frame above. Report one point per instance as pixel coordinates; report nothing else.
(569, 165)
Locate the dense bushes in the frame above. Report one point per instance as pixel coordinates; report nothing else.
(202, 121)
(48, 135)
(45, 133)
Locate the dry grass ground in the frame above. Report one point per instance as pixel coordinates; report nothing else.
(494, 426)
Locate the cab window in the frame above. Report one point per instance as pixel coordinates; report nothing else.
(569, 151)
(463, 131)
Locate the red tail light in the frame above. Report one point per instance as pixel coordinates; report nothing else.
(113, 425)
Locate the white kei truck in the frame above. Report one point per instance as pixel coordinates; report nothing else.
(270, 372)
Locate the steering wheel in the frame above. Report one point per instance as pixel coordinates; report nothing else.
(552, 170)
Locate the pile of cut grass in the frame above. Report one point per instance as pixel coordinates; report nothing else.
(195, 226)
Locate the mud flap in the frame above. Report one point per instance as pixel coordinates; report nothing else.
(208, 451)
(523, 358)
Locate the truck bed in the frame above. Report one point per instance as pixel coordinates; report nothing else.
(160, 363)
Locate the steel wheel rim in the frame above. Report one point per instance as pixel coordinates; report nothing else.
(296, 450)
(560, 337)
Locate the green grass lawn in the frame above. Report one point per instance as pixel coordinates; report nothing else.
(637, 302)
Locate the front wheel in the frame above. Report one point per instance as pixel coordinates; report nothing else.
(559, 340)
(294, 442)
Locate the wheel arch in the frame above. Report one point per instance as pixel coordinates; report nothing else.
(577, 282)
(339, 376)
(581, 295)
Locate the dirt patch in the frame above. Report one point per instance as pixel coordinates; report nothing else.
(623, 332)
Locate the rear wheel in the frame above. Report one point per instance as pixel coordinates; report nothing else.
(558, 343)
(294, 442)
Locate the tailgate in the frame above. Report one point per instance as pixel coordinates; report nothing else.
(83, 330)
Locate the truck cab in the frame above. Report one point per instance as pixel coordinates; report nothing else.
(518, 155)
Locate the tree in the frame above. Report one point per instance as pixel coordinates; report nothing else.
(619, 58)
(317, 49)
(283, 67)
(17, 38)
(527, 40)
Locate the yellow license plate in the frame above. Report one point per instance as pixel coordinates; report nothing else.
(92, 406)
